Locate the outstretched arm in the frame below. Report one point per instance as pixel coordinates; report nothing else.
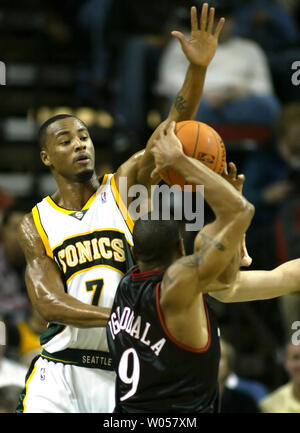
(241, 258)
(259, 285)
(45, 286)
(199, 50)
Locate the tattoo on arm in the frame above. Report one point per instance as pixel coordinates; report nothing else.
(197, 258)
(208, 242)
(179, 103)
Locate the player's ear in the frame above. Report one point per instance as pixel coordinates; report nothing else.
(45, 158)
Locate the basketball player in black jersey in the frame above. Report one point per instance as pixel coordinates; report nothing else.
(162, 335)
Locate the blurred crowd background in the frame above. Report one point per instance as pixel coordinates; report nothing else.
(114, 64)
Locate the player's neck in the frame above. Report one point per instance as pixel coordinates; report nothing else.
(155, 266)
(74, 195)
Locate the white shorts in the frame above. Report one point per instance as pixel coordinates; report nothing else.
(56, 387)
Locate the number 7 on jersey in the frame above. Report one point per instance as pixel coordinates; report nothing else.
(95, 286)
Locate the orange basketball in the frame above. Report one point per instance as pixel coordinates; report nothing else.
(202, 142)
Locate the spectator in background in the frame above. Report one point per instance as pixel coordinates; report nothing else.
(274, 28)
(287, 226)
(234, 399)
(271, 174)
(11, 372)
(91, 20)
(255, 389)
(6, 200)
(238, 88)
(268, 23)
(291, 5)
(13, 297)
(286, 399)
(136, 31)
(9, 396)
(28, 332)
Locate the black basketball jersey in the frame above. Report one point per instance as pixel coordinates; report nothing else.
(156, 373)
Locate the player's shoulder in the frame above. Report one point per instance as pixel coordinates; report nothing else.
(181, 274)
(28, 217)
(27, 231)
(26, 221)
(175, 271)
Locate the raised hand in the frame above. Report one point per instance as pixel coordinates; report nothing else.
(230, 174)
(165, 149)
(203, 42)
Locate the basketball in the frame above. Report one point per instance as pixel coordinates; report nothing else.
(201, 142)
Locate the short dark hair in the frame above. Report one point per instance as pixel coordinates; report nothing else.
(155, 240)
(43, 128)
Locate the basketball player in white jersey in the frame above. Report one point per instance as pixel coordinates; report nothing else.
(76, 244)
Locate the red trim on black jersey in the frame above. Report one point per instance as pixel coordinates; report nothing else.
(139, 276)
(170, 336)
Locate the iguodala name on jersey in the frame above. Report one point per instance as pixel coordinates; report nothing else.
(136, 327)
(104, 247)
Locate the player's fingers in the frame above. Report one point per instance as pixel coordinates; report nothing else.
(162, 129)
(219, 27)
(225, 171)
(241, 178)
(232, 170)
(155, 154)
(171, 127)
(211, 18)
(154, 144)
(180, 37)
(246, 260)
(152, 149)
(194, 21)
(154, 173)
(203, 18)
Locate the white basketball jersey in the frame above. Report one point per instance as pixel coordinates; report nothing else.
(92, 249)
